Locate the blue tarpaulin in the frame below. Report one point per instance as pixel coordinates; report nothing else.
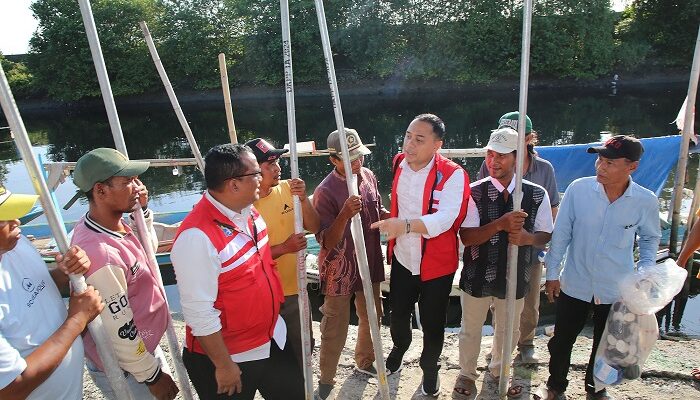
(572, 162)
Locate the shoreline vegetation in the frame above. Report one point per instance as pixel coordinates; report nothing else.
(380, 47)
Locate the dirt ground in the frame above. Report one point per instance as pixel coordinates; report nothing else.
(666, 373)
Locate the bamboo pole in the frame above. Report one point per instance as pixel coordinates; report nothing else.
(227, 99)
(679, 182)
(356, 222)
(305, 308)
(507, 351)
(96, 328)
(141, 230)
(171, 95)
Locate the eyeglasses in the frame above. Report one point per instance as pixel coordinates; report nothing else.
(256, 173)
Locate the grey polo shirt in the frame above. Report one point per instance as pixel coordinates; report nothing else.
(540, 172)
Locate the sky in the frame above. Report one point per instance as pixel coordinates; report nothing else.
(17, 24)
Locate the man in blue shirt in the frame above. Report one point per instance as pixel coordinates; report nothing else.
(595, 229)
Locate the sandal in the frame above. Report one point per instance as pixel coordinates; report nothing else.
(515, 391)
(695, 374)
(464, 389)
(545, 393)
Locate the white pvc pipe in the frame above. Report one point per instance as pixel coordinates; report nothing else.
(143, 233)
(304, 307)
(512, 280)
(171, 95)
(356, 222)
(227, 99)
(679, 182)
(102, 78)
(104, 346)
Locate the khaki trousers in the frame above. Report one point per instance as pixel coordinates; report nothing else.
(531, 308)
(474, 311)
(334, 331)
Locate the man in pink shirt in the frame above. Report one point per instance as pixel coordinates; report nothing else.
(136, 314)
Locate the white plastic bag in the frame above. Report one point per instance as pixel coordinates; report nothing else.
(631, 329)
(649, 289)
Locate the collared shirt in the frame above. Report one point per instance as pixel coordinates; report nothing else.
(597, 238)
(410, 190)
(120, 270)
(198, 287)
(340, 275)
(543, 218)
(540, 172)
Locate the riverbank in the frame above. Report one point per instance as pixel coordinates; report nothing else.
(392, 86)
(666, 373)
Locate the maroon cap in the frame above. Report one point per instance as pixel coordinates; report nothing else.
(620, 146)
(264, 151)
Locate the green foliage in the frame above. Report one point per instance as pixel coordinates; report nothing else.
(464, 41)
(663, 30)
(18, 76)
(60, 56)
(190, 35)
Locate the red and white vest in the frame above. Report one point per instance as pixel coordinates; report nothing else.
(250, 292)
(440, 255)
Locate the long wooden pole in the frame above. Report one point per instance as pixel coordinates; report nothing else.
(512, 282)
(171, 95)
(679, 182)
(227, 99)
(96, 328)
(356, 222)
(305, 308)
(141, 229)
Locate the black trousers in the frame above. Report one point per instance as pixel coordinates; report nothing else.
(571, 317)
(277, 377)
(432, 297)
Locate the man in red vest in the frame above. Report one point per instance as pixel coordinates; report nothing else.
(230, 290)
(423, 246)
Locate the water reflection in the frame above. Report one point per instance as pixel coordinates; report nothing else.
(560, 116)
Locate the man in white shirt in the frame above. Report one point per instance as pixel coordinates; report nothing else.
(230, 290)
(41, 353)
(428, 203)
(490, 227)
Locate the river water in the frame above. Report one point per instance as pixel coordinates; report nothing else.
(560, 116)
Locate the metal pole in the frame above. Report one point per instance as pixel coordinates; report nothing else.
(227, 99)
(172, 97)
(679, 182)
(507, 351)
(102, 78)
(356, 222)
(104, 346)
(143, 233)
(305, 308)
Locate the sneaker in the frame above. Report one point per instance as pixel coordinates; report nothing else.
(324, 390)
(369, 370)
(528, 355)
(430, 386)
(394, 362)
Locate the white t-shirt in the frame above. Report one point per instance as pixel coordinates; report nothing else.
(31, 310)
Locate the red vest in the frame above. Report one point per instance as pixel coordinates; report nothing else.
(250, 292)
(440, 255)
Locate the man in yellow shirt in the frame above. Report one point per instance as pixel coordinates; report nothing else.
(277, 209)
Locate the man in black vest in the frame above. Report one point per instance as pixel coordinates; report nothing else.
(490, 226)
